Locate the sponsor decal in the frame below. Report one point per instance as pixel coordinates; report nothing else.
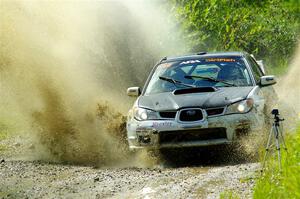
(190, 62)
(220, 60)
(162, 124)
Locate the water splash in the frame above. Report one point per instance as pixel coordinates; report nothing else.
(64, 69)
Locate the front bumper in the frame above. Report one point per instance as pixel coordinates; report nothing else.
(210, 131)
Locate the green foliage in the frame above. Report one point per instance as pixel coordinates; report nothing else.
(268, 28)
(229, 194)
(285, 184)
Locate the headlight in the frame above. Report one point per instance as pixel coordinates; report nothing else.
(240, 107)
(144, 114)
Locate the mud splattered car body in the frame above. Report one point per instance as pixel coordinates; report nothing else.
(199, 100)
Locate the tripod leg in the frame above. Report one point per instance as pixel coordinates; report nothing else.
(282, 138)
(268, 146)
(278, 146)
(283, 142)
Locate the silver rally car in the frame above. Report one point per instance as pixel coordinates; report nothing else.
(200, 100)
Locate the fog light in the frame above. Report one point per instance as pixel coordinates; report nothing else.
(145, 139)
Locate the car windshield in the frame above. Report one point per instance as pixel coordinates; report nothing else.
(216, 72)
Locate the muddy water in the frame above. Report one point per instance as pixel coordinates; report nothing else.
(64, 68)
(289, 86)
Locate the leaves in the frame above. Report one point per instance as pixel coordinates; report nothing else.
(267, 28)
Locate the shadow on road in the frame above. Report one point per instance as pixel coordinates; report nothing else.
(208, 156)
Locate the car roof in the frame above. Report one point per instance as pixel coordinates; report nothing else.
(204, 55)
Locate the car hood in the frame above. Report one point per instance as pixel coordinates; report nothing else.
(219, 98)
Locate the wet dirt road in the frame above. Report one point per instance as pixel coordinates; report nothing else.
(203, 174)
(25, 179)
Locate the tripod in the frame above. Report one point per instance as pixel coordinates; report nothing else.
(275, 131)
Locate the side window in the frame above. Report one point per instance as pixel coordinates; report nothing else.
(255, 68)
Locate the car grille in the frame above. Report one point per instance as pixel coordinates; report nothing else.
(214, 111)
(167, 114)
(192, 135)
(190, 115)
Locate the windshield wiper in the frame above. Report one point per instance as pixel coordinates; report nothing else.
(175, 82)
(210, 79)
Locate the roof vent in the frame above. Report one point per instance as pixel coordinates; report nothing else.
(201, 53)
(194, 90)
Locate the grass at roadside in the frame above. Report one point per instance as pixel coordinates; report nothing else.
(284, 184)
(229, 194)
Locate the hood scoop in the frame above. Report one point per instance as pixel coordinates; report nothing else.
(194, 90)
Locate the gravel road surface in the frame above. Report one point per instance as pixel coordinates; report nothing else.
(37, 179)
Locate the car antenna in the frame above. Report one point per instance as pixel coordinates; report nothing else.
(201, 53)
(163, 59)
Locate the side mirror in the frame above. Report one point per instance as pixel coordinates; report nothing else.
(261, 65)
(133, 91)
(267, 80)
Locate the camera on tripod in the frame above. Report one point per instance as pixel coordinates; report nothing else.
(277, 133)
(276, 114)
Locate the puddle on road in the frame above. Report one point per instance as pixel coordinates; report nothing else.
(198, 170)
